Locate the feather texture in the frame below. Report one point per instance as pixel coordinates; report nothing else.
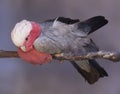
(64, 35)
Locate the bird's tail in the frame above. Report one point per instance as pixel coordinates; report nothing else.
(92, 24)
(90, 70)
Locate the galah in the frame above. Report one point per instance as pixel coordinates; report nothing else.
(37, 41)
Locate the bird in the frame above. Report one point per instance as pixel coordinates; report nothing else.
(36, 42)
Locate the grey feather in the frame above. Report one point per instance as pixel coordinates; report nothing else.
(92, 24)
(64, 35)
(90, 70)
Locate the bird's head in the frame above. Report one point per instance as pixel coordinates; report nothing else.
(24, 34)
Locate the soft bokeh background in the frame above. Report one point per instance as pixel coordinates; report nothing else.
(19, 77)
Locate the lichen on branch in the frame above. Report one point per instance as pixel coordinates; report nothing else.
(112, 56)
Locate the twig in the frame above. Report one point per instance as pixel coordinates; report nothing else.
(8, 54)
(112, 56)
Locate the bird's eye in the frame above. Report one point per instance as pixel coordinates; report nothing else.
(26, 38)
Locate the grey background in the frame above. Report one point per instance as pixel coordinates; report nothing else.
(19, 77)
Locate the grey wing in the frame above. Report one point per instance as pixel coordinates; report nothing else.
(51, 22)
(90, 46)
(62, 20)
(65, 40)
(54, 37)
(58, 36)
(89, 69)
(47, 44)
(52, 43)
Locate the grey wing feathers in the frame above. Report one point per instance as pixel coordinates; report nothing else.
(63, 20)
(87, 26)
(92, 24)
(89, 69)
(64, 38)
(91, 72)
(67, 20)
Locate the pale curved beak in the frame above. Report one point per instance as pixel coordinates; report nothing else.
(23, 48)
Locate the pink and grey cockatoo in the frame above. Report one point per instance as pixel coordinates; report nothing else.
(36, 42)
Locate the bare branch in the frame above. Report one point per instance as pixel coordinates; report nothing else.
(8, 54)
(112, 56)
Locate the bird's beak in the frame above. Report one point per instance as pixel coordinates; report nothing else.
(23, 48)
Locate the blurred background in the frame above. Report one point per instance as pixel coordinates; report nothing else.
(19, 77)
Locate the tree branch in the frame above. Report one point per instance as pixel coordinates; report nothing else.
(112, 56)
(8, 54)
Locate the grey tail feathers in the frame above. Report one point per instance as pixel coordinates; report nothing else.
(96, 71)
(92, 24)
